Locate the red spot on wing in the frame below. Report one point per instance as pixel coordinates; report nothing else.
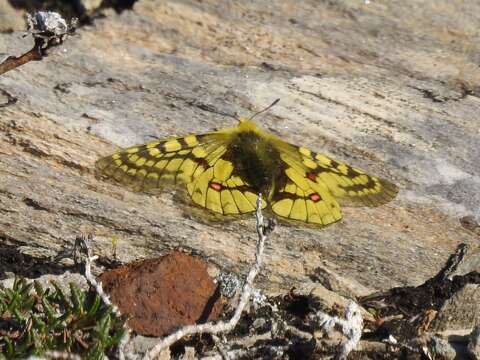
(216, 186)
(315, 197)
(312, 176)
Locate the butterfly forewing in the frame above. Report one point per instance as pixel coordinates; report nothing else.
(173, 160)
(348, 185)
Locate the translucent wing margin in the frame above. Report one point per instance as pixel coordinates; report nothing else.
(149, 166)
(349, 185)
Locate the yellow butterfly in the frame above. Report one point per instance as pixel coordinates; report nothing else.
(224, 171)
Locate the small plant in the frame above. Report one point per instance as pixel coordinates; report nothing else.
(34, 321)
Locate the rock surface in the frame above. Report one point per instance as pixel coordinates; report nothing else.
(10, 19)
(461, 312)
(392, 88)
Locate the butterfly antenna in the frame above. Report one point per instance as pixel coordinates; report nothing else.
(266, 109)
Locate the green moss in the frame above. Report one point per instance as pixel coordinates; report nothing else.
(34, 320)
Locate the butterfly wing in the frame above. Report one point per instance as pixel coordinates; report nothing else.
(220, 189)
(309, 188)
(194, 160)
(158, 162)
(313, 185)
(297, 197)
(351, 186)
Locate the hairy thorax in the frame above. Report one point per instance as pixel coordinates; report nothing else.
(258, 161)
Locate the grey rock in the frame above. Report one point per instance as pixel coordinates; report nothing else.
(62, 280)
(325, 299)
(140, 345)
(470, 263)
(461, 312)
(326, 275)
(384, 87)
(441, 349)
(10, 19)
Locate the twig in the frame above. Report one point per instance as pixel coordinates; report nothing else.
(297, 332)
(351, 327)
(275, 351)
(84, 243)
(48, 29)
(89, 259)
(221, 349)
(211, 328)
(35, 54)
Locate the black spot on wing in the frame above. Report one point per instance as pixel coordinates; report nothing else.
(370, 184)
(351, 173)
(183, 143)
(284, 195)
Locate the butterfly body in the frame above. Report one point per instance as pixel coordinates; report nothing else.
(256, 157)
(224, 171)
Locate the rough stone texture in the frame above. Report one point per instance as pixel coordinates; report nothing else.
(441, 348)
(10, 19)
(461, 311)
(140, 345)
(163, 294)
(62, 280)
(391, 87)
(326, 299)
(471, 263)
(326, 275)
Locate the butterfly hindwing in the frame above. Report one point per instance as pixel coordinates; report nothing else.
(221, 190)
(299, 198)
